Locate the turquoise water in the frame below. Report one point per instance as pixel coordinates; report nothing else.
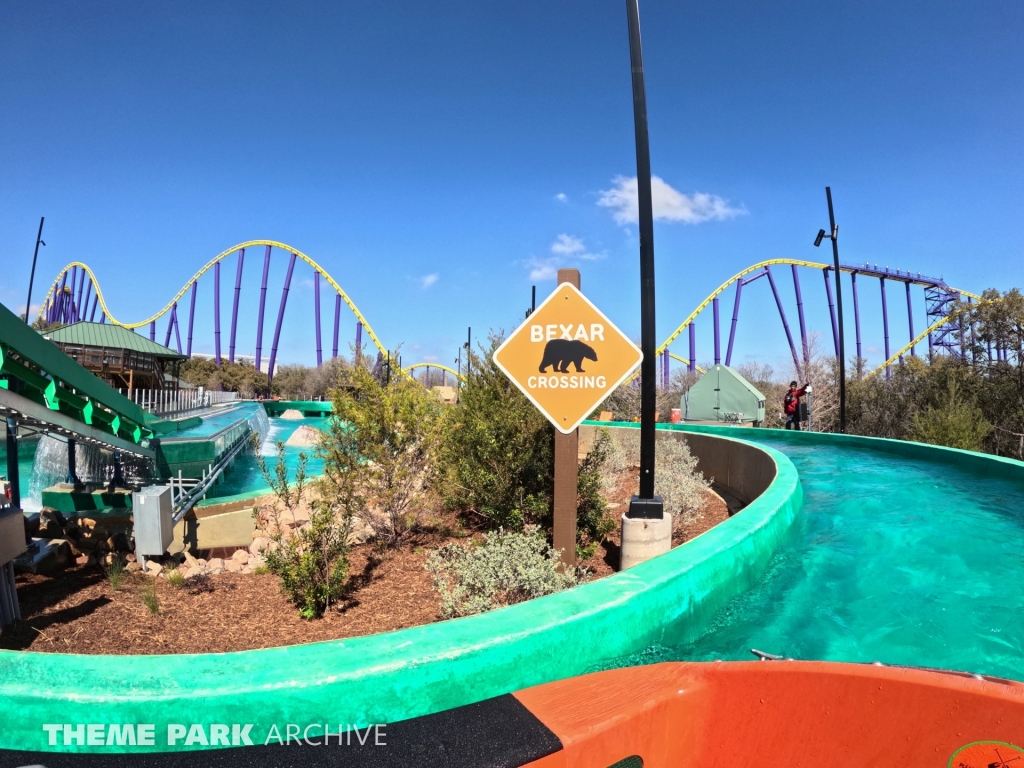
(893, 560)
(243, 476)
(216, 421)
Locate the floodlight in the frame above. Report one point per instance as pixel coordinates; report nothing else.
(818, 239)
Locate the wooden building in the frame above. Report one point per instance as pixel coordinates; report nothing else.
(122, 358)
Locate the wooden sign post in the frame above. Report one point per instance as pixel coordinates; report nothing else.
(567, 357)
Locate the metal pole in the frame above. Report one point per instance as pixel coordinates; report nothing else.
(85, 304)
(316, 312)
(152, 331)
(263, 302)
(648, 370)
(191, 317)
(13, 478)
(785, 323)
(337, 322)
(856, 314)
(32, 274)
(280, 317)
(735, 317)
(216, 312)
(885, 327)
(469, 351)
(800, 315)
(234, 306)
(693, 348)
(831, 311)
(839, 308)
(910, 319)
(70, 311)
(718, 339)
(359, 340)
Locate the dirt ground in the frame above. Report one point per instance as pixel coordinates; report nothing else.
(78, 611)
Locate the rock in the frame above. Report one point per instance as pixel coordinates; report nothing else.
(189, 560)
(84, 560)
(255, 561)
(292, 414)
(72, 531)
(87, 523)
(154, 568)
(133, 567)
(202, 561)
(241, 556)
(215, 563)
(232, 566)
(31, 526)
(259, 545)
(118, 542)
(49, 526)
(361, 531)
(304, 437)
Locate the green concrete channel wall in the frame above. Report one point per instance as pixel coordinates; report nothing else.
(398, 675)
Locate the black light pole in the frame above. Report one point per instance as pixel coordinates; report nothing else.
(469, 350)
(834, 237)
(646, 504)
(32, 274)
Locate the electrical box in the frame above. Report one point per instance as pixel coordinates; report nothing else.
(154, 520)
(12, 533)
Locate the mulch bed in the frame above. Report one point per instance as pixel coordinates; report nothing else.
(78, 611)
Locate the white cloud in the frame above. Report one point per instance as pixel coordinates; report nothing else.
(429, 280)
(668, 204)
(567, 244)
(544, 269)
(430, 358)
(561, 197)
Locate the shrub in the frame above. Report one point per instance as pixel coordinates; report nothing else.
(115, 572)
(149, 598)
(175, 579)
(676, 478)
(393, 430)
(311, 559)
(592, 520)
(507, 567)
(955, 423)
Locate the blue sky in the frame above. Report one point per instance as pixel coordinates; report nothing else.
(439, 159)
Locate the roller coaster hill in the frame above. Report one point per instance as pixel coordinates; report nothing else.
(75, 295)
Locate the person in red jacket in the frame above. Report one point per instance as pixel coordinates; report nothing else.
(791, 405)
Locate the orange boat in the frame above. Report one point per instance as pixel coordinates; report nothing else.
(780, 713)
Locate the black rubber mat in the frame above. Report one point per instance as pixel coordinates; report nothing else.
(497, 733)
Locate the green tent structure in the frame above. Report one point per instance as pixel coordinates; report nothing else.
(723, 395)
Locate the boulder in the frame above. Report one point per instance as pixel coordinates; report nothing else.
(190, 561)
(232, 566)
(259, 545)
(255, 561)
(154, 568)
(241, 556)
(304, 437)
(361, 531)
(292, 414)
(216, 565)
(49, 524)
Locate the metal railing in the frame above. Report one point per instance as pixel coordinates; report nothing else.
(163, 402)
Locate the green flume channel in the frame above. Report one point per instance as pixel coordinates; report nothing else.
(398, 675)
(896, 559)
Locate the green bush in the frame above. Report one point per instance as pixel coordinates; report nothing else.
(312, 559)
(955, 423)
(507, 567)
(149, 598)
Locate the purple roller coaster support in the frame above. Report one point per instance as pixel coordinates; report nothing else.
(856, 313)
(316, 313)
(280, 317)
(718, 332)
(263, 301)
(910, 320)
(60, 306)
(152, 330)
(693, 348)
(785, 324)
(170, 326)
(103, 317)
(85, 306)
(177, 327)
(735, 317)
(664, 369)
(234, 305)
(216, 312)
(191, 316)
(885, 327)
(831, 310)
(359, 339)
(69, 310)
(95, 303)
(337, 322)
(800, 315)
(79, 309)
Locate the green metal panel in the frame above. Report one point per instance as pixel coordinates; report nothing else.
(722, 394)
(306, 407)
(397, 675)
(108, 335)
(16, 335)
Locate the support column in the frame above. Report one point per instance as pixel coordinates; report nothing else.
(735, 317)
(666, 379)
(79, 309)
(72, 476)
(216, 313)
(337, 323)
(85, 305)
(856, 315)
(831, 310)
(785, 324)
(359, 339)
(263, 301)
(170, 325)
(152, 330)
(693, 347)
(280, 317)
(191, 317)
(800, 316)
(12, 461)
(566, 469)
(885, 327)
(718, 335)
(177, 329)
(69, 312)
(234, 305)
(316, 312)
(95, 303)
(910, 320)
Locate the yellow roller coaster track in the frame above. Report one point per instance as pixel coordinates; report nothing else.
(409, 368)
(219, 257)
(684, 361)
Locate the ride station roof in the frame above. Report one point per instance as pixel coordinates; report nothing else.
(111, 336)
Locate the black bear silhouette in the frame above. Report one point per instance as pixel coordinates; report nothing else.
(561, 352)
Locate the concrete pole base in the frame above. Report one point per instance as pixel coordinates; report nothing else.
(643, 539)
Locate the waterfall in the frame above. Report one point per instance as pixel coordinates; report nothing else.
(260, 424)
(51, 467)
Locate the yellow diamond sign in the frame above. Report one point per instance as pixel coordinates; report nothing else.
(567, 357)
